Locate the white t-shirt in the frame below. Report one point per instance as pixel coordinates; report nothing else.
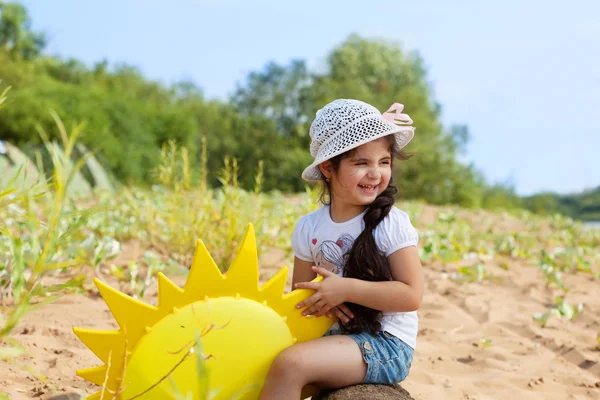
(320, 240)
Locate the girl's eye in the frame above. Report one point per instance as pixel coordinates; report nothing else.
(361, 163)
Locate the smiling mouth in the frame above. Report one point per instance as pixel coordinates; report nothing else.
(368, 188)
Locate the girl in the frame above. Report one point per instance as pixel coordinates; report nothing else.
(376, 294)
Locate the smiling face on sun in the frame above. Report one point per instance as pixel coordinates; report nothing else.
(241, 327)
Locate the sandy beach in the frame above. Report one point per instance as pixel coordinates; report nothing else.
(476, 340)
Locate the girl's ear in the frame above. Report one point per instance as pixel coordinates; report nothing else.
(326, 169)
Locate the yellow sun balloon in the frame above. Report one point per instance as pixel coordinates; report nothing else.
(214, 338)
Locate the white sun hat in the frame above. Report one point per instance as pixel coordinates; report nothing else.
(345, 124)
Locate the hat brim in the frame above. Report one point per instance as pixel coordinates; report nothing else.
(403, 135)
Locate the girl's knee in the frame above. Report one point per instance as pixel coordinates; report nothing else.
(288, 362)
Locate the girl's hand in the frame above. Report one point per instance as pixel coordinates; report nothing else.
(342, 312)
(330, 292)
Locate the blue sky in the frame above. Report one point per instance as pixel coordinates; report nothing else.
(523, 75)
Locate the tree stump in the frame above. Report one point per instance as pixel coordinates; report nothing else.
(66, 396)
(365, 392)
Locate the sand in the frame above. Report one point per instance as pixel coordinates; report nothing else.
(519, 361)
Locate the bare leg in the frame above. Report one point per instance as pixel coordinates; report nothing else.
(328, 362)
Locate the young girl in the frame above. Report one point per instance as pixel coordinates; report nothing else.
(377, 291)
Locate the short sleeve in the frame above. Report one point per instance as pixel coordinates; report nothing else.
(395, 232)
(301, 240)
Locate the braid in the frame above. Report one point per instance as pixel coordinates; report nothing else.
(366, 262)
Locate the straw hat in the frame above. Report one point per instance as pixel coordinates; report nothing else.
(345, 124)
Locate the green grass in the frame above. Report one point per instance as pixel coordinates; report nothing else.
(46, 233)
(36, 239)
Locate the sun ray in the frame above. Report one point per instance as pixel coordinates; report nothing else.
(169, 294)
(297, 322)
(95, 375)
(243, 272)
(204, 278)
(131, 315)
(101, 343)
(276, 285)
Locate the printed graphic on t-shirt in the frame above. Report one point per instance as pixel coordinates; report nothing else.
(331, 254)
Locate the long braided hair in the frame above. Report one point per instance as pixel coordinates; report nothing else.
(364, 260)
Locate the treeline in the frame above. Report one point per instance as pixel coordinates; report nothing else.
(267, 118)
(584, 205)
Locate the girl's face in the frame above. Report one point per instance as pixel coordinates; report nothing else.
(364, 175)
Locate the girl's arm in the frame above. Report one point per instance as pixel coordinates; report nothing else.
(302, 271)
(403, 294)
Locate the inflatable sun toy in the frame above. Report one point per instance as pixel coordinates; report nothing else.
(214, 338)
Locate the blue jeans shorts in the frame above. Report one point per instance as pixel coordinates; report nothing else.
(388, 358)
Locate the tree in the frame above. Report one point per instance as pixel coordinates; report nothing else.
(382, 73)
(282, 94)
(16, 36)
(379, 73)
(584, 205)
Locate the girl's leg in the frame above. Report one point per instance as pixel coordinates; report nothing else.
(328, 362)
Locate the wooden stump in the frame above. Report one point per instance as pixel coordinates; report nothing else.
(365, 392)
(355, 392)
(66, 396)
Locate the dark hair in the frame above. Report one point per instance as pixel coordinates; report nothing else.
(364, 260)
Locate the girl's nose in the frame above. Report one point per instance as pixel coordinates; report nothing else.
(374, 173)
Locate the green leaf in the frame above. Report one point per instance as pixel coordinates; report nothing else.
(578, 309)
(203, 387)
(10, 352)
(566, 310)
(542, 318)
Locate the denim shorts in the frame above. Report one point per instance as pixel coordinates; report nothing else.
(388, 358)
